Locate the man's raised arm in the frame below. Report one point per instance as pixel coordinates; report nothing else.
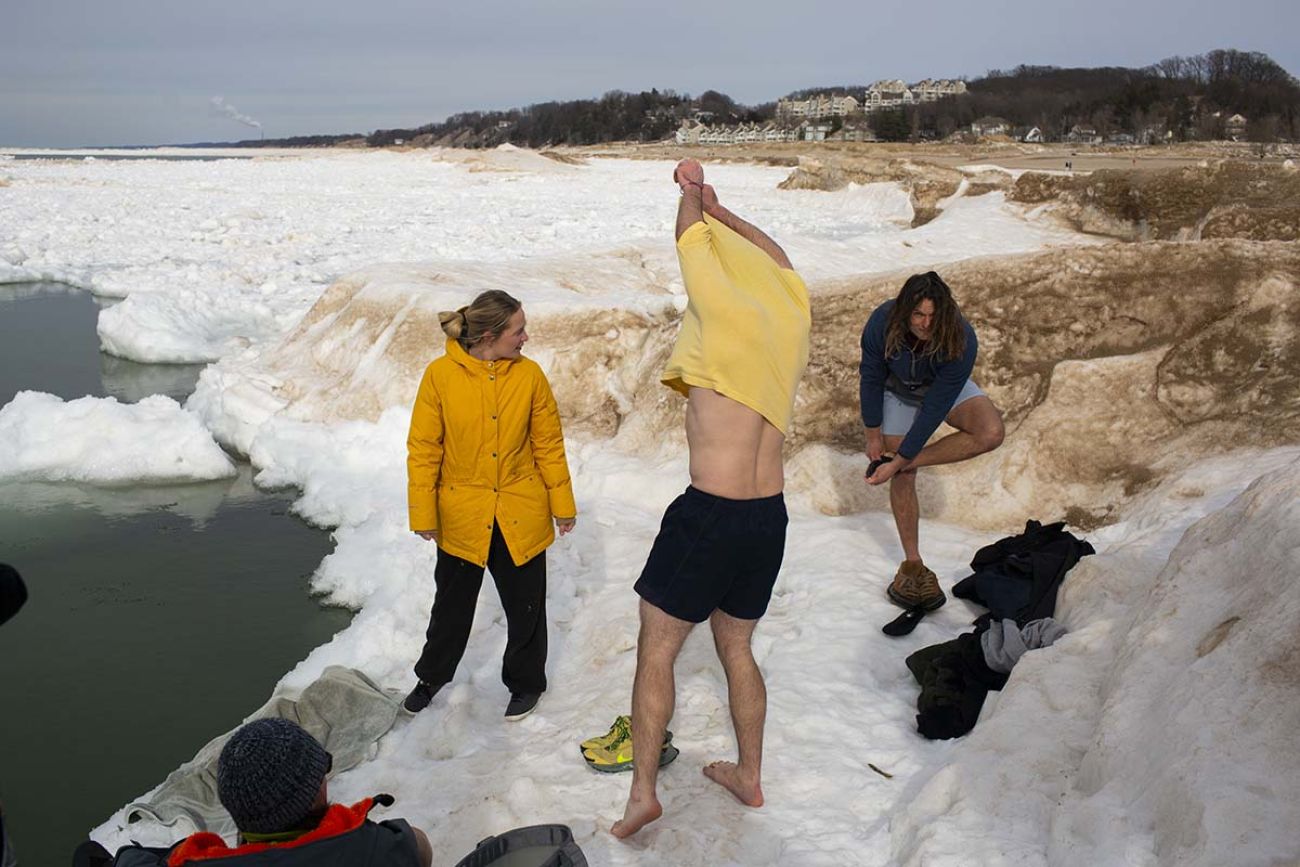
(689, 175)
(690, 210)
(698, 199)
(743, 228)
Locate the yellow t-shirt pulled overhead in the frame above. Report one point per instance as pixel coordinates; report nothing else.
(745, 330)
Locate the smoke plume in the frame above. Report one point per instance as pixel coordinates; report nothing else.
(220, 105)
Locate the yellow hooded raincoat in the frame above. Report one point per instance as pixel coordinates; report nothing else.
(485, 445)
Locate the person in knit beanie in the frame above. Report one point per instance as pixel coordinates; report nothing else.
(271, 777)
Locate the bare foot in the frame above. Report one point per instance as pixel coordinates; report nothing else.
(638, 813)
(727, 775)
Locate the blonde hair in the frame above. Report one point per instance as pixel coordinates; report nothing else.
(488, 314)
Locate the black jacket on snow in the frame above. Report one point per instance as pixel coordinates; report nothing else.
(1015, 578)
(954, 680)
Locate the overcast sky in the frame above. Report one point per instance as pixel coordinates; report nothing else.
(76, 72)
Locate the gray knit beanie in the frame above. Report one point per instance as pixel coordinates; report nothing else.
(268, 775)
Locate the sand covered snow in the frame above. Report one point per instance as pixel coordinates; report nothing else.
(315, 281)
(215, 256)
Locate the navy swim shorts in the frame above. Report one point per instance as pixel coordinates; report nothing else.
(713, 553)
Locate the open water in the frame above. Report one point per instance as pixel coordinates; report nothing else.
(158, 617)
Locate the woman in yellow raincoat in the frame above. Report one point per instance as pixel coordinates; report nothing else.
(486, 477)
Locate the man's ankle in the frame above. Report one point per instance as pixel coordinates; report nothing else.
(641, 793)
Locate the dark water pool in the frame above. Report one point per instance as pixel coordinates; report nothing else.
(159, 616)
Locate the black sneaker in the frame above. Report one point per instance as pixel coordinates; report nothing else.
(418, 699)
(877, 464)
(521, 704)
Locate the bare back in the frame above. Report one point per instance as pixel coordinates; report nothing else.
(735, 452)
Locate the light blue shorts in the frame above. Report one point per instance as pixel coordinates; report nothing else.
(899, 413)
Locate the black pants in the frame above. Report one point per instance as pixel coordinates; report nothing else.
(523, 596)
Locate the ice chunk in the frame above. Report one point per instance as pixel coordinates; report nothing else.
(99, 441)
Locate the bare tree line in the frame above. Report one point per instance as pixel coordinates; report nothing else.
(1178, 98)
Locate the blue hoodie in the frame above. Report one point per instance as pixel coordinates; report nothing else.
(917, 379)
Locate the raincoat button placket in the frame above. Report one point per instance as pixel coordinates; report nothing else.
(496, 433)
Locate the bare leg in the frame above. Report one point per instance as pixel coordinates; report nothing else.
(747, 696)
(653, 695)
(907, 513)
(905, 506)
(979, 430)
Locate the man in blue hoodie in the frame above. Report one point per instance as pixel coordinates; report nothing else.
(917, 356)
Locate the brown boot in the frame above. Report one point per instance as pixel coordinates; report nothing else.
(915, 586)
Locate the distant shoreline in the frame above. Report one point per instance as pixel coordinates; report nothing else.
(143, 153)
(1006, 155)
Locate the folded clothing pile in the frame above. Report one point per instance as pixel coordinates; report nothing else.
(1017, 579)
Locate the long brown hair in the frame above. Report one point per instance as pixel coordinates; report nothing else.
(948, 340)
(488, 314)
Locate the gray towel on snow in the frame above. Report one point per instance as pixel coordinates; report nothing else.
(1004, 643)
(343, 709)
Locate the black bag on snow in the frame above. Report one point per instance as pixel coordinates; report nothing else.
(954, 682)
(533, 846)
(91, 854)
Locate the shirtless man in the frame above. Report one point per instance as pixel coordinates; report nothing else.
(720, 546)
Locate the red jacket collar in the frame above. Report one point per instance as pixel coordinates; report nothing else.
(339, 819)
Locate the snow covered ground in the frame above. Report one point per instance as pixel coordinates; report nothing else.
(1158, 732)
(214, 256)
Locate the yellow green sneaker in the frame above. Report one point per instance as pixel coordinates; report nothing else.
(619, 732)
(612, 761)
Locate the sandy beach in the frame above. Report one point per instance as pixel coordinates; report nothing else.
(1009, 155)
